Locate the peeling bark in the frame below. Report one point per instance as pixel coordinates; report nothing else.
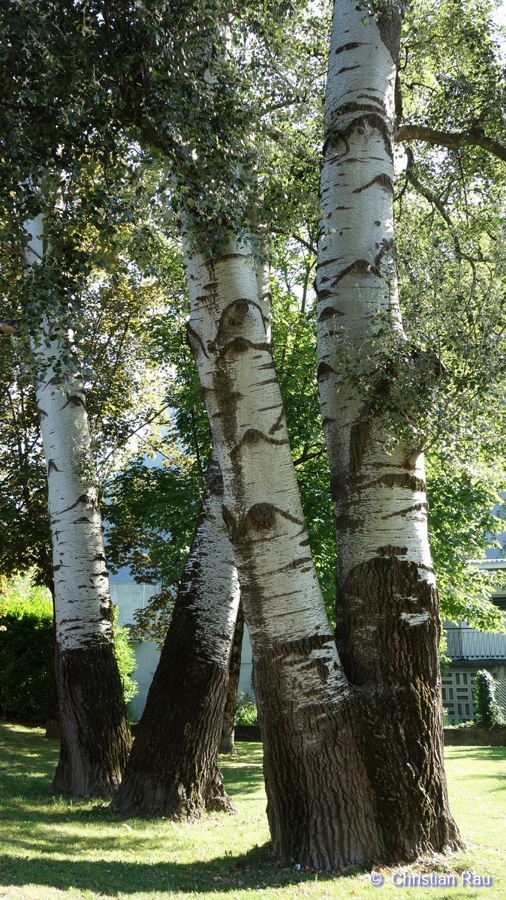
(387, 604)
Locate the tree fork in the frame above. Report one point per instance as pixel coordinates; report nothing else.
(319, 803)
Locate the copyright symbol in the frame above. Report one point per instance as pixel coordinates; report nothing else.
(377, 879)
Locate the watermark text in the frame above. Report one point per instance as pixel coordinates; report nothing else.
(433, 879)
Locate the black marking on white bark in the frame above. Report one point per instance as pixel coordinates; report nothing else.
(415, 507)
(391, 550)
(51, 466)
(360, 267)
(303, 646)
(81, 520)
(193, 339)
(294, 564)
(239, 345)
(41, 412)
(328, 313)
(75, 400)
(403, 480)
(374, 98)
(234, 254)
(324, 293)
(260, 517)
(348, 69)
(359, 439)
(88, 501)
(324, 369)
(354, 107)
(233, 395)
(254, 436)
(232, 317)
(365, 115)
(352, 45)
(383, 180)
(279, 423)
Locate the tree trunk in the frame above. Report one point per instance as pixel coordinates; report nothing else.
(52, 714)
(94, 726)
(227, 744)
(387, 604)
(173, 769)
(320, 808)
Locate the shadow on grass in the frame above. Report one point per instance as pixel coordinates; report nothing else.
(222, 874)
(47, 840)
(477, 753)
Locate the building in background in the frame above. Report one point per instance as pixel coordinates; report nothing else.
(471, 650)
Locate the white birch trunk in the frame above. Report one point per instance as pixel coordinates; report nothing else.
(83, 604)
(319, 813)
(387, 606)
(94, 724)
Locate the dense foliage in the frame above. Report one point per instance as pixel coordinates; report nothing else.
(487, 712)
(112, 122)
(26, 636)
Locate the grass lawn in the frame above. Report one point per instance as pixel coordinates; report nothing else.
(53, 848)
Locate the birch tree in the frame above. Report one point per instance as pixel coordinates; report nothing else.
(387, 609)
(318, 814)
(173, 767)
(95, 734)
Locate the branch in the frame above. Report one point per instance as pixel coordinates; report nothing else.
(435, 201)
(475, 137)
(296, 237)
(8, 326)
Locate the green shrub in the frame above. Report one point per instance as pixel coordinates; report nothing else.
(487, 712)
(245, 711)
(26, 620)
(26, 633)
(126, 658)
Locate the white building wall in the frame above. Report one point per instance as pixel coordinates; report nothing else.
(127, 597)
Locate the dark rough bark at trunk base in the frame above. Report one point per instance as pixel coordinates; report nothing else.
(227, 744)
(52, 714)
(398, 703)
(173, 769)
(320, 808)
(95, 734)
